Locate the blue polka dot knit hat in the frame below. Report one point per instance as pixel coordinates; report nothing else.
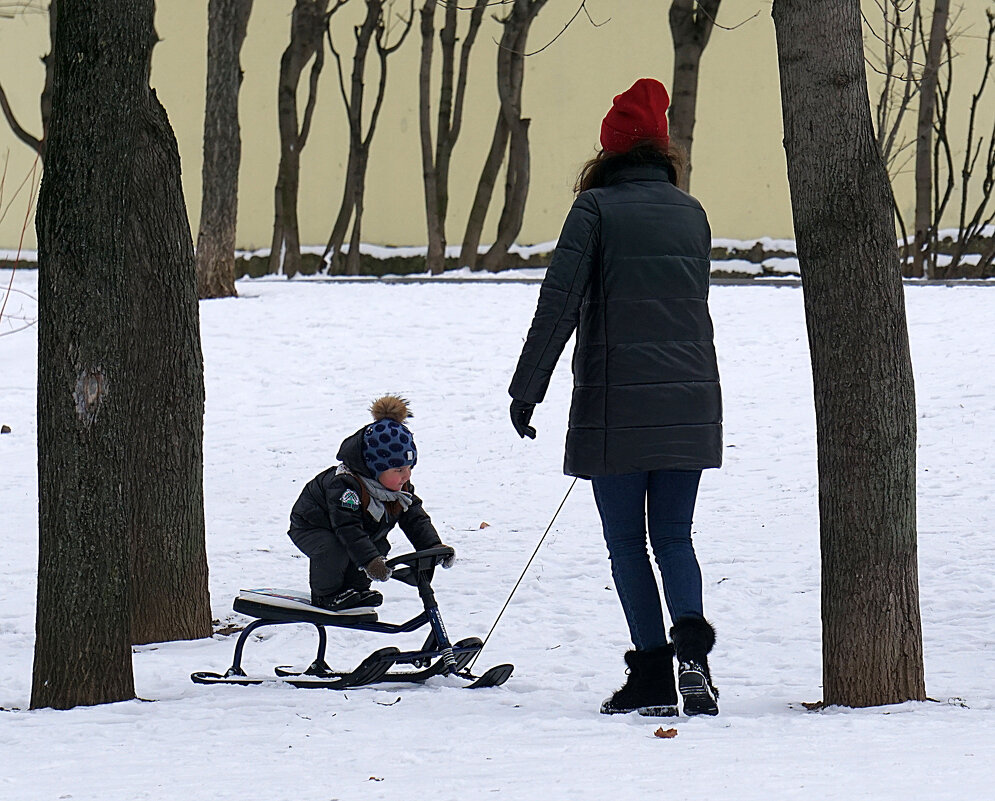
(387, 442)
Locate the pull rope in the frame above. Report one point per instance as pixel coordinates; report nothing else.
(527, 564)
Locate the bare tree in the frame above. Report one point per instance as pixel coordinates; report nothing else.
(691, 23)
(972, 253)
(452, 92)
(511, 134)
(924, 136)
(375, 29)
(227, 21)
(861, 366)
(307, 29)
(35, 143)
(120, 375)
(900, 38)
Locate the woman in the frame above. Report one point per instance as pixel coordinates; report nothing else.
(630, 273)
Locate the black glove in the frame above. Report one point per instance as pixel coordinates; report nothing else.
(377, 569)
(449, 561)
(521, 413)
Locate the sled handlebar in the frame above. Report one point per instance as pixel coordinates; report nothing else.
(408, 566)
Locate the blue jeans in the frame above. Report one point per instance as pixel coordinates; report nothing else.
(664, 498)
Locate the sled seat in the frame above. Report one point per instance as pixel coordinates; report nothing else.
(294, 606)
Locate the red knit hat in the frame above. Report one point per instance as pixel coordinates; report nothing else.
(637, 115)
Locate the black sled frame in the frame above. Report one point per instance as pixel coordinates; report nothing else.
(436, 657)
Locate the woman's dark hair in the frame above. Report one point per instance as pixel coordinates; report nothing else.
(603, 166)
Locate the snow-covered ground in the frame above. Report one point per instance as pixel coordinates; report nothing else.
(290, 369)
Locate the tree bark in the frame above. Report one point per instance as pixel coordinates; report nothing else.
(434, 216)
(861, 365)
(482, 197)
(307, 27)
(921, 261)
(227, 23)
(120, 381)
(691, 23)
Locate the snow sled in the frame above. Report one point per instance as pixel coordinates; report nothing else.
(436, 657)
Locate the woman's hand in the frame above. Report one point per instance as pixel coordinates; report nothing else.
(521, 414)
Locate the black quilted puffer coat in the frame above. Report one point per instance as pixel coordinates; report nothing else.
(630, 273)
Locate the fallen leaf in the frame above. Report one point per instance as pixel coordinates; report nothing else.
(485, 524)
(666, 734)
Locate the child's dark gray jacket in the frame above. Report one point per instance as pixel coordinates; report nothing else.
(336, 506)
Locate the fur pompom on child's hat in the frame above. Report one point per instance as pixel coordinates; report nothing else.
(387, 442)
(390, 407)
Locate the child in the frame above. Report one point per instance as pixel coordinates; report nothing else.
(344, 514)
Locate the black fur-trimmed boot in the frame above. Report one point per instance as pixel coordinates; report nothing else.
(650, 688)
(693, 639)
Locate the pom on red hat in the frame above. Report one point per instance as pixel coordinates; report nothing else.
(637, 115)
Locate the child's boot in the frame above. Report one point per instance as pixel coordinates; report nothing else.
(347, 599)
(649, 688)
(693, 639)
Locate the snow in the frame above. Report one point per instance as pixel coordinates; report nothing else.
(407, 251)
(290, 369)
(766, 243)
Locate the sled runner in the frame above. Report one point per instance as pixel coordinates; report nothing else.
(436, 657)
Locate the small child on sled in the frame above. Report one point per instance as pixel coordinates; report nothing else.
(343, 516)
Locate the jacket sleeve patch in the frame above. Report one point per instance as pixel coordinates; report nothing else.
(350, 500)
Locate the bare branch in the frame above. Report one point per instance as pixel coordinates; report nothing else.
(582, 7)
(19, 132)
(724, 27)
(312, 95)
(338, 63)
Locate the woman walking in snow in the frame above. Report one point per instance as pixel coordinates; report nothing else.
(630, 273)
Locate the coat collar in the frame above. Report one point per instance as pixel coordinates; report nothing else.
(641, 172)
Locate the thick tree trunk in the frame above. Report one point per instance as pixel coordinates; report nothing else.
(691, 23)
(922, 260)
(861, 366)
(227, 22)
(120, 382)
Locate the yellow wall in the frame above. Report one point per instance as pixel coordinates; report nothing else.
(739, 171)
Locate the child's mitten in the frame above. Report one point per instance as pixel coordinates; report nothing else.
(377, 569)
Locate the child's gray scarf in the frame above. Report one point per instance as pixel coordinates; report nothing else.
(379, 494)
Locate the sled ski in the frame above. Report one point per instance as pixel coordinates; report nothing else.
(437, 656)
(367, 672)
